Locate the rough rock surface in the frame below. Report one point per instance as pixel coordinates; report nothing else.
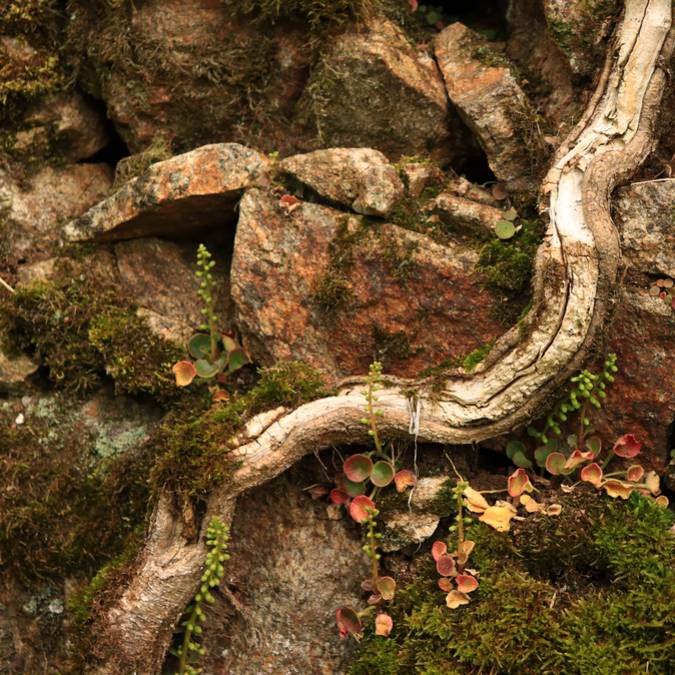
(282, 586)
(465, 215)
(374, 89)
(644, 214)
(185, 194)
(64, 123)
(14, 369)
(580, 27)
(34, 213)
(195, 76)
(337, 292)
(484, 90)
(358, 178)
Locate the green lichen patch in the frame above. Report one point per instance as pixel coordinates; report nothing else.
(525, 617)
(82, 332)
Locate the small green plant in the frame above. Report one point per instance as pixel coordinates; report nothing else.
(357, 472)
(217, 536)
(215, 354)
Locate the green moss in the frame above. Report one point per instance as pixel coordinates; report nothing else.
(525, 618)
(191, 444)
(82, 332)
(134, 165)
(472, 359)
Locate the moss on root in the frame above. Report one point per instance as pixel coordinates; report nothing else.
(82, 332)
(529, 618)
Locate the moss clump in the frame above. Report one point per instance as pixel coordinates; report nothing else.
(81, 332)
(315, 13)
(191, 444)
(135, 165)
(60, 513)
(471, 360)
(508, 264)
(523, 619)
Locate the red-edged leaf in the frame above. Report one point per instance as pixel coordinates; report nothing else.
(404, 479)
(438, 548)
(351, 488)
(662, 500)
(634, 473)
(627, 446)
(445, 566)
(361, 507)
(220, 395)
(357, 468)
(386, 587)
(592, 473)
(615, 488)
(382, 473)
(578, 457)
(348, 622)
(184, 372)
(466, 583)
(445, 584)
(338, 497)
(519, 482)
(555, 463)
(289, 203)
(383, 625)
(374, 599)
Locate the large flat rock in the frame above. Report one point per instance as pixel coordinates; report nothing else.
(185, 194)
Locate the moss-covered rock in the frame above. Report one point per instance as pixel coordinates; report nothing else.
(533, 614)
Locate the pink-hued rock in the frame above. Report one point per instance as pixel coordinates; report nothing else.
(484, 90)
(185, 194)
(465, 215)
(358, 178)
(374, 89)
(34, 211)
(336, 291)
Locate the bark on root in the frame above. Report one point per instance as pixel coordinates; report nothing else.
(576, 269)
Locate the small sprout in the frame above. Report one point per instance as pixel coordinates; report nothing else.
(518, 483)
(555, 463)
(627, 446)
(338, 497)
(383, 624)
(220, 395)
(404, 479)
(382, 473)
(592, 473)
(455, 599)
(386, 587)
(662, 500)
(288, 203)
(466, 583)
(185, 372)
(553, 510)
(510, 215)
(361, 507)
(357, 468)
(634, 473)
(594, 444)
(438, 548)
(499, 192)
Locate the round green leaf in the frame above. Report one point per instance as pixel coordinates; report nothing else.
(520, 459)
(513, 447)
(353, 488)
(357, 467)
(382, 473)
(205, 369)
(541, 454)
(237, 360)
(199, 346)
(504, 229)
(510, 215)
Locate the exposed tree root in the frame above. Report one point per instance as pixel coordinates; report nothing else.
(576, 271)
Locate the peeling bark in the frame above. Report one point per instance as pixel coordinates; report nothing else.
(576, 270)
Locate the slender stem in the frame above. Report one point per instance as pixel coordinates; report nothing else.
(185, 651)
(373, 422)
(214, 335)
(4, 284)
(582, 429)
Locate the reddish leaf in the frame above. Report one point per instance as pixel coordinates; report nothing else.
(317, 491)
(357, 468)
(338, 497)
(634, 473)
(361, 508)
(466, 583)
(220, 395)
(289, 203)
(348, 622)
(367, 585)
(404, 479)
(184, 372)
(386, 587)
(519, 482)
(627, 446)
(413, 5)
(592, 473)
(374, 599)
(383, 625)
(578, 457)
(438, 548)
(445, 584)
(445, 566)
